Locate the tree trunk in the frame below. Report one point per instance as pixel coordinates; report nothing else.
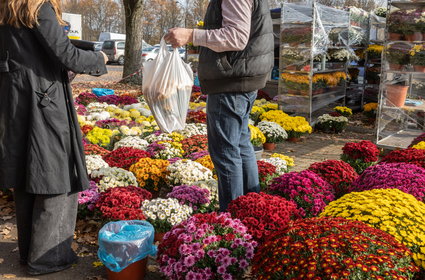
(133, 20)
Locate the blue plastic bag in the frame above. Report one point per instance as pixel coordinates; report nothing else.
(102, 91)
(125, 242)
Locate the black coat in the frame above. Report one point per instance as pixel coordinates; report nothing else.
(40, 141)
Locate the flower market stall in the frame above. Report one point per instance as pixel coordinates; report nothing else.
(401, 114)
(310, 82)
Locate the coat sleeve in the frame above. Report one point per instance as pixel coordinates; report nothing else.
(51, 35)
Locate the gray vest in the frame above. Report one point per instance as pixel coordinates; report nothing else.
(238, 71)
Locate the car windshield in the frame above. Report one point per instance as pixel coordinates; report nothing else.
(108, 45)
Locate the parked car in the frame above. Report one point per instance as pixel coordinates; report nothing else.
(114, 49)
(98, 46)
(150, 53)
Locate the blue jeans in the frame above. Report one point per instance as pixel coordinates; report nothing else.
(229, 144)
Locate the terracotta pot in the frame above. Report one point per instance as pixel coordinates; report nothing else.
(135, 271)
(394, 36)
(419, 68)
(396, 95)
(291, 67)
(395, 67)
(269, 146)
(417, 36)
(192, 51)
(294, 139)
(158, 236)
(292, 91)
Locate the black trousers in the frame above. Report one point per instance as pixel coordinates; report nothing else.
(46, 225)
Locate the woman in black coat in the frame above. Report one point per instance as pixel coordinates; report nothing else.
(41, 153)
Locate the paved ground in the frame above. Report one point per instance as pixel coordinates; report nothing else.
(315, 147)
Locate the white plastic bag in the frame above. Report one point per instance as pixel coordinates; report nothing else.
(167, 86)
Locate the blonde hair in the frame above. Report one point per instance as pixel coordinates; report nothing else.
(20, 13)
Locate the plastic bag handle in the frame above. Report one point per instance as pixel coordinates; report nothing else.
(163, 46)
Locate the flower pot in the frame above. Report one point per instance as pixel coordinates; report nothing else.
(292, 92)
(291, 67)
(192, 51)
(417, 36)
(395, 67)
(258, 152)
(394, 36)
(294, 139)
(419, 68)
(135, 271)
(158, 236)
(396, 95)
(269, 146)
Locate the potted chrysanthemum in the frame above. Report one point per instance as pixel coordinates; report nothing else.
(273, 132)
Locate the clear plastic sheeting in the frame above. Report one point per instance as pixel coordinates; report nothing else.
(125, 242)
(167, 86)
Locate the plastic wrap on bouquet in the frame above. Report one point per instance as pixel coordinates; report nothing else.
(167, 86)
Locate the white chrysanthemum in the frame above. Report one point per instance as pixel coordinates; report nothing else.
(95, 162)
(192, 129)
(97, 107)
(133, 142)
(112, 177)
(99, 116)
(210, 185)
(186, 172)
(272, 131)
(280, 164)
(162, 137)
(173, 212)
(326, 118)
(168, 152)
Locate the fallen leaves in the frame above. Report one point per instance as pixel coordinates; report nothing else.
(9, 276)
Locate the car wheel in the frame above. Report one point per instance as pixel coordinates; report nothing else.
(121, 60)
(150, 59)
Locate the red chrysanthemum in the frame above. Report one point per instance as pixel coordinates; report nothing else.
(125, 157)
(92, 149)
(414, 156)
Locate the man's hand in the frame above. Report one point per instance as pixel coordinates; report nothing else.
(178, 37)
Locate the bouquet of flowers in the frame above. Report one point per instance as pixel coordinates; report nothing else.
(369, 110)
(295, 127)
(377, 208)
(123, 203)
(337, 173)
(273, 132)
(280, 165)
(125, 157)
(86, 98)
(100, 136)
(408, 178)
(132, 142)
(150, 173)
(206, 246)
(257, 137)
(95, 162)
(360, 155)
(163, 214)
(89, 197)
(344, 111)
(192, 129)
(417, 140)
(193, 196)
(332, 248)
(410, 155)
(334, 124)
(263, 214)
(266, 173)
(187, 172)
(112, 177)
(307, 189)
(92, 149)
(165, 149)
(195, 143)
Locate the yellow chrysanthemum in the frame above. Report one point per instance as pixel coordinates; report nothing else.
(257, 137)
(391, 210)
(370, 106)
(100, 136)
(289, 161)
(150, 173)
(419, 146)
